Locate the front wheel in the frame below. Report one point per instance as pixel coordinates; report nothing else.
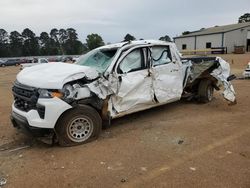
(205, 91)
(78, 126)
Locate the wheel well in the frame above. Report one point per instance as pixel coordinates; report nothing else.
(193, 87)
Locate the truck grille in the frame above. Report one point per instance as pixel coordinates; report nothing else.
(25, 97)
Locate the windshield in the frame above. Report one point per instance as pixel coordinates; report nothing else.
(98, 59)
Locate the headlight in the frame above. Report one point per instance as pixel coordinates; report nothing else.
(44, 93)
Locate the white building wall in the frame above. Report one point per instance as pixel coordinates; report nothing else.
(189, 41)
(236, 38)
(215, 39)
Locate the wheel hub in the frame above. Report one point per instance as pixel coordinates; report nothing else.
(80, 129)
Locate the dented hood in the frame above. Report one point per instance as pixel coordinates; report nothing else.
(54, 75)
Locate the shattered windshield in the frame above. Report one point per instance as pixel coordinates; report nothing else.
(98, 59)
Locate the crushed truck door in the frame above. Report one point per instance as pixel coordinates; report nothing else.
(134, 90)
(166, 74)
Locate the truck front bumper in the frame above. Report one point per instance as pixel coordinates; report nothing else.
(53, 109)
(22, 124)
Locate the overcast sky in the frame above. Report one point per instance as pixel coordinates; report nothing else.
(112, 19)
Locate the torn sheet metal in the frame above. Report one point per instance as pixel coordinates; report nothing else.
(167, 82)
(218, 68)
(221, 74)
(101, 87)
(134, 92)
(199, 69)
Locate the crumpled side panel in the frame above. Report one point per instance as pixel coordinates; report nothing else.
(221, 74)
(167, 82)
(134, 93)
(101, 88)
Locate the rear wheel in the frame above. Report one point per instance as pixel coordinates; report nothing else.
(3, 65)
(205, 91)
(78, 126)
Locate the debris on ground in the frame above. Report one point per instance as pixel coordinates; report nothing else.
(192, 168)
(123, 180)
(229, 152)
(180, 142)
(109, 168)
(15, 146)
(143, 168)
(3, 181)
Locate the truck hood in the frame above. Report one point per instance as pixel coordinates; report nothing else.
(54, 75)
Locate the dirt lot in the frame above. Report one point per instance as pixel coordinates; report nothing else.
(177, 145)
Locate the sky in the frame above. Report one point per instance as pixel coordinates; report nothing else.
(113, 19)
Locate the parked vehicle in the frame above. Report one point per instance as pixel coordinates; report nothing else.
(71, 102)
(9, 62)
(1, 62)
(246, 73)
(38, 61)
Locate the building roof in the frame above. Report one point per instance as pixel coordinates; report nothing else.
(216, 29)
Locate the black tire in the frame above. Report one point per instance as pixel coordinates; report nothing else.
(205, 91)
(79, 125)
(3, 65)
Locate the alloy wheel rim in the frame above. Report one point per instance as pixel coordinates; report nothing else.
(80, 129)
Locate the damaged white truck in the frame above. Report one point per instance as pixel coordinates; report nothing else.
(71, 102)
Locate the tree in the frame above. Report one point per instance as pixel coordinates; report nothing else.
(3, 43)
(62, 36)
(244, 18)
(129, 37)
(185, 32)
(30, 43)
(165, 38)
(16, 44)
(55, 44)
(45, 44)
(72, 45)
(94, 41)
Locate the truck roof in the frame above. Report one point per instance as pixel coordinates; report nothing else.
(135, 43)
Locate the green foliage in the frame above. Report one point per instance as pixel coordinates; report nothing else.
(4, 46)
(165, 38)
(16, 43)
(244, 18)
(30, 44)
(94, 41)
(57, 42)
(129, 37)
(45, 44)
(185, 32)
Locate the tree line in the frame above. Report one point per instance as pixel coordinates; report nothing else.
(56, 42)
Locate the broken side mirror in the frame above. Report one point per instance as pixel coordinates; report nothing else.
(231, 77)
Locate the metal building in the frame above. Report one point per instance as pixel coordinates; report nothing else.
(221, 37)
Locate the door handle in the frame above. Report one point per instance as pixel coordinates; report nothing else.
(120, 78)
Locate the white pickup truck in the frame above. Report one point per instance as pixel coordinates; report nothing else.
(35, 62)
(71, 102)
